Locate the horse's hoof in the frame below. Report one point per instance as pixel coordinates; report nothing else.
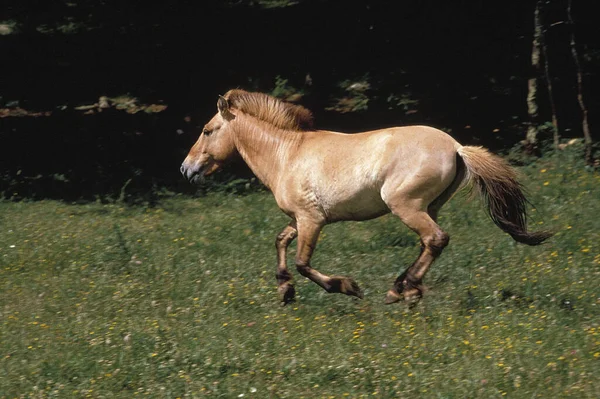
(287, 293)
(353, 289)
(392, 297)
(359, 294)
(344, 285)
(412, 296)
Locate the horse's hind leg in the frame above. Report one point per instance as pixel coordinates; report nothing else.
(433, 241)
(308, 233)
(286, 289)
(417, 204)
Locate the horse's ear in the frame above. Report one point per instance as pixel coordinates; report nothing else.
(222, 104)
(223, 107)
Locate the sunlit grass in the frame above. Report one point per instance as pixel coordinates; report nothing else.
(180, 301)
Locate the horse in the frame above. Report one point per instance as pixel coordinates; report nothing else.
(319, 177)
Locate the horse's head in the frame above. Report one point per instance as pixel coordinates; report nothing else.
(214, 147)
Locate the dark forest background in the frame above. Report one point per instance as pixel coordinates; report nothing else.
(102, 99)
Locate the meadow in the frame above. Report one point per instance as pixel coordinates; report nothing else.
(180, 300)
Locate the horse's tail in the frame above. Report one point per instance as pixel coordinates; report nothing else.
(497, 184)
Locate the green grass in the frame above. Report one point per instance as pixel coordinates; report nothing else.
(180, 301)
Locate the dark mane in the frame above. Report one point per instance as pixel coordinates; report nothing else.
(272, 110)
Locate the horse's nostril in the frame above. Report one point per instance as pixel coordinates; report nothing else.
(182, 170)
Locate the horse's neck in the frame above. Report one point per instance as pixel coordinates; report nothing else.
(264, 148)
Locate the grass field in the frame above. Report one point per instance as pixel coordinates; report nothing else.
(180, 300)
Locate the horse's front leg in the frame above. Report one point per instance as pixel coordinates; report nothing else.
(308, 233)
(286, 289)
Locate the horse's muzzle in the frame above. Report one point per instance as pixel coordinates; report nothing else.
(193, 175)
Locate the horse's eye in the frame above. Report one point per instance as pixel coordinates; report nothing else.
(206, 132)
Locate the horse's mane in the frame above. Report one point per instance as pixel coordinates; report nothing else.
(272, 110)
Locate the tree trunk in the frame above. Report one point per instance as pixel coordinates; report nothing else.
(589, 156)
(556, 132)
(531, 140)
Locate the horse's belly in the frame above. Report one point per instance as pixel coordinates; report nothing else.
(362, 205)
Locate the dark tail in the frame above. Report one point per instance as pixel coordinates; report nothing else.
(497, 183)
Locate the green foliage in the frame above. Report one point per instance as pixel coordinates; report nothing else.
(273, 3)
(68, 27)
(283, 89)
(571, 152)
(404, 101)
(180, 300)
(266, 4)
(353, 96)
(8, 27)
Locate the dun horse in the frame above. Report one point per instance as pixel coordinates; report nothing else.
(321, 177)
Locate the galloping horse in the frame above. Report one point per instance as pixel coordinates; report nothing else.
(320, 177)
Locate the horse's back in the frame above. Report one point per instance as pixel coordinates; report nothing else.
(370, 156)
(418, 137)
